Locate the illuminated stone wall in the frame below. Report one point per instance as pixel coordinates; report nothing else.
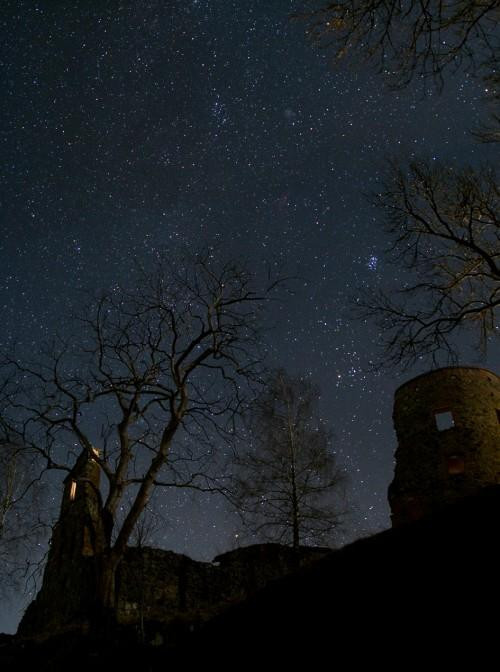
(447, 423)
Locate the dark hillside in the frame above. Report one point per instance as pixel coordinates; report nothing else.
(428, 588)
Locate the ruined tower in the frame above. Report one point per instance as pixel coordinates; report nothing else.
(69, 578)
(79, 530)
(447, 423)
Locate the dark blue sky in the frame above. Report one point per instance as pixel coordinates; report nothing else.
(133, 127)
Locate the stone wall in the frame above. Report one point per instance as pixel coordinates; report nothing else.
(448, 428)
(166, 592)
(159, 594)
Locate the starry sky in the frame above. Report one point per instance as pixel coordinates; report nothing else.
(133, 127)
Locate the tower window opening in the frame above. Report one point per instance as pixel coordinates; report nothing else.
(498, 415)
(72, 491)
(456, 465)
(444, 420)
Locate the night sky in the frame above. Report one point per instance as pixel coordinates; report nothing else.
(134, 127)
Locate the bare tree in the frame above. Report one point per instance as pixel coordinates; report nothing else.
(489, 131)
(22, 521)
(147, 527)
(286, 483)
(445, 230)
(144, 533)
(150, 374)
(411, 39)
(443, 222)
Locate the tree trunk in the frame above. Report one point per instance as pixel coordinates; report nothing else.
(295, 508)
(103, 620)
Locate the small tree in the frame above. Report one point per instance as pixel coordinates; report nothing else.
(445, 230)
(286, 482)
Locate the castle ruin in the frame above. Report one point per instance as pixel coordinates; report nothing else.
(447, 423)
(159, 595)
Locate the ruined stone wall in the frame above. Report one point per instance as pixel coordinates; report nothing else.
(159, 592)
(448, 428)
(162, 587)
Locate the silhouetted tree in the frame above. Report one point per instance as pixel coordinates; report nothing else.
(22, 520)
(148, 377)
(286, 483)
(445, 229)
(444, 222)
(146, 528)
(411, 39)
(489, 131)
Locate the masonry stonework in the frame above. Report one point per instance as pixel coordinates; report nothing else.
(159, 593)
(169, 592)
(66, 595)
(447, 423)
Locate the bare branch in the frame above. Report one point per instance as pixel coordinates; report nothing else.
(445, 229)
(416, 39)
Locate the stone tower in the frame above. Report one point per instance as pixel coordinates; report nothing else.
(79, 530)
(447, 423)
(78, 537)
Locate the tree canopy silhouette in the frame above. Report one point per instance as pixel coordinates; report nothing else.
(287, 482)
(445, 229)
(22, 523)
(411, 39)
(443, 221)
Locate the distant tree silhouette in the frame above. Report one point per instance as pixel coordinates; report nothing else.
(445, 229)
(22, 520)
(286, 483)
